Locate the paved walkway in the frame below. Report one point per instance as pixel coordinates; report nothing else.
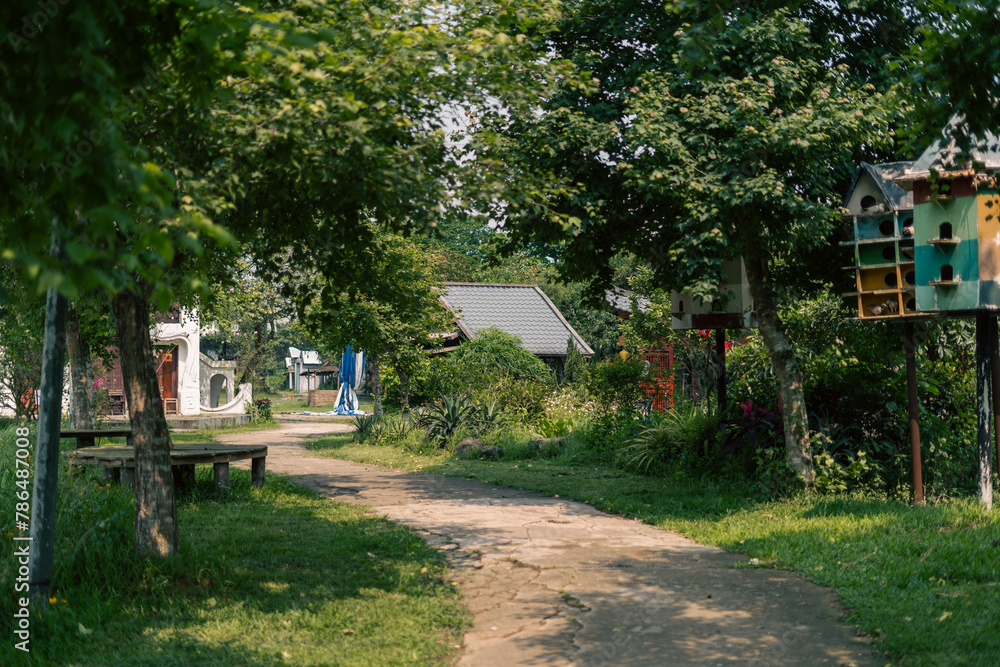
(554, 582)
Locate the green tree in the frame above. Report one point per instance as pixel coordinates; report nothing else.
(248, 309)
(688, 172)
(389, 311)
(292, 126)
(575, 365)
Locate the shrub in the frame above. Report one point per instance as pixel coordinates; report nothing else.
(615, 384)
(495, 353)
(259, 410)
(682, 437)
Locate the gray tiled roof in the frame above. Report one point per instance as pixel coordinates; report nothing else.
(945, 155)
(521, 310)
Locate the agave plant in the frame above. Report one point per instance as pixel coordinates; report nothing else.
(443, 419)
(490, 414)
(418, 417)
(367, 427)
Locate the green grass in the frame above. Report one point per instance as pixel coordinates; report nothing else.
(264, 576)
(293, 403)
(209, 434)
(921, 581)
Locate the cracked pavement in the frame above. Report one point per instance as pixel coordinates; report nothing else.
(555, 582)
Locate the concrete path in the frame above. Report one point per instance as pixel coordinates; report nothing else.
(555, 582)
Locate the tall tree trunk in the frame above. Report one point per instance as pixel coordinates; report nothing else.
(81, 415)
(404, 392)
(44, 493)
(376, 380)
(155, 506)
(794, 417)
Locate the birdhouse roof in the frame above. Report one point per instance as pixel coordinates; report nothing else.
(945, 156)
(884, 177)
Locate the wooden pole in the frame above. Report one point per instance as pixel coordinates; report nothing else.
(913, 408)
(720, 366)
(995, 376)
(43, 505)
(983, 404)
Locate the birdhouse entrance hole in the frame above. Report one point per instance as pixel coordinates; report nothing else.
(944, 232)
(889, 253)
(885, 227)
(947, 272)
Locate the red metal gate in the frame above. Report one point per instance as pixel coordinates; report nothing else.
(658, 384)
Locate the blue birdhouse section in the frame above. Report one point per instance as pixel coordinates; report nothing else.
(881, 217)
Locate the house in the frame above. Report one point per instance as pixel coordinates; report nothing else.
(191, 383)
(880, 214)
(620, 302)
(956, 226)
(306, 372)
(520, 310)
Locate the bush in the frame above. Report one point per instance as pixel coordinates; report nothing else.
(677, 439)
(498, 354)
(259, 410)
(615, 384)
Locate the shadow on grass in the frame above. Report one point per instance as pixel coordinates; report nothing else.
(262, 572)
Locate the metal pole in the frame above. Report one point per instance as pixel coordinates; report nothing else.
(911, 395)
(995, 376)
(720, 368)
(983, 405)
(43, 506)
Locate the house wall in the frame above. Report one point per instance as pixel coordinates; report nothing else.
(185, 335)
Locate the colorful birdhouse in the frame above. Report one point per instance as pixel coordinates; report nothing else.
(956, 204)
(734, 312)
(881, 215)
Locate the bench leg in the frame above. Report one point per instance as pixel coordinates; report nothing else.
(257, 466)
(221, 475)
(183, 476)
(128, 476)
(113, 475)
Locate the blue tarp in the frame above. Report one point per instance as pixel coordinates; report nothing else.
(352, 373)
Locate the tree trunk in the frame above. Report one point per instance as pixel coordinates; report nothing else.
(376, 379)
(404, 392)
(794, 417)
(155, 506)
(81, 415)
(45, 491)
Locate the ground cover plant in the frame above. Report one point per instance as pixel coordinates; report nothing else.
(264, 576)
(921, 582)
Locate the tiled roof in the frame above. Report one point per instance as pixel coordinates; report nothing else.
(620, 300)
(521, 310)
(945, 155)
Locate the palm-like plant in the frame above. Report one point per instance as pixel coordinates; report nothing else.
(445, 417)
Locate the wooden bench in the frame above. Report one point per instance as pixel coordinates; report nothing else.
(119, 462)
(85, 436)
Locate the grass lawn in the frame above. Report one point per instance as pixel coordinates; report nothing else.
(270, 576)
(293, 403)
(921, 581)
